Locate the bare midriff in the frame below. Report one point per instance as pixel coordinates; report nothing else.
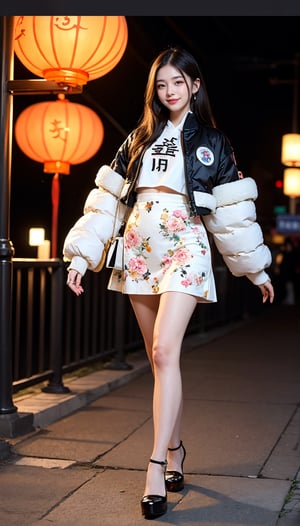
(156, 189)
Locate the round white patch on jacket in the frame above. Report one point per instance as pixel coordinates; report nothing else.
(205, 155)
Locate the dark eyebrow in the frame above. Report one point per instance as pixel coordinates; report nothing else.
(172, 78)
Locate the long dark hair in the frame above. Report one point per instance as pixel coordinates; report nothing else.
(155, 115)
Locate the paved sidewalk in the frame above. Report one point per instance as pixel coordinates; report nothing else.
(85, 462)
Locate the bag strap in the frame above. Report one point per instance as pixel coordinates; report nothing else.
(126, 215)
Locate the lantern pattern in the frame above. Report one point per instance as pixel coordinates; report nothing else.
(70, 49)
(58, 133)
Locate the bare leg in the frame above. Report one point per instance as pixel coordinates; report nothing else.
(145, 310)
(163, 325)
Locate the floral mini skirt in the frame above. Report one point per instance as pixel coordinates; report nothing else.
(165, 250)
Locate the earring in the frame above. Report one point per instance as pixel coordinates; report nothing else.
(195, 96)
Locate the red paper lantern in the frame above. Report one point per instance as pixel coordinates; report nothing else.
(58, 133)
(70, 49)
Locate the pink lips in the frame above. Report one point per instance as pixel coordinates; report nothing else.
(172, 101)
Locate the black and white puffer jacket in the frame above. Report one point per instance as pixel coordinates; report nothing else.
(216, 190)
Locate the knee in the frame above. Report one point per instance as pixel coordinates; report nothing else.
(161, 356)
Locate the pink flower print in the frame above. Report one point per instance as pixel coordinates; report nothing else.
(132, 239)
(175, 224)
(187, 281)
(181, 214)
(182, 256)
(137, 266)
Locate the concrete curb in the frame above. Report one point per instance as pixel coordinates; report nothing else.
(50, 407)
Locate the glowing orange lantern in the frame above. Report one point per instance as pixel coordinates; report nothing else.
(70, 49)
(290, 152)
(58, 133)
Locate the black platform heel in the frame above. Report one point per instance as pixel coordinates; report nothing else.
(175, 479)
(154, 505)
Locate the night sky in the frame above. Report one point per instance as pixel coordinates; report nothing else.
(248, 67)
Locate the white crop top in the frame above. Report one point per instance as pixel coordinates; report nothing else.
(162, 163)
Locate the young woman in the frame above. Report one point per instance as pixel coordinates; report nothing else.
(182, 175)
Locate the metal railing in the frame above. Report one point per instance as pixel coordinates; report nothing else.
(55, 332)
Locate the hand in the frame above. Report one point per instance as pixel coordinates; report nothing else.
(267, 291)
(74, 282)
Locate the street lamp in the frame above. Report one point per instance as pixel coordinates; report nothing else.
(66, 51)
(14, 33)
(290, 150)
(37, 239)
(291, 186)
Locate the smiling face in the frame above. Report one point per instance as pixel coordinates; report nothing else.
(175, 91)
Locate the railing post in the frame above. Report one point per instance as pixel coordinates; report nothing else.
(11, 423)
(118, 361)
(56, 384)
(6, 247)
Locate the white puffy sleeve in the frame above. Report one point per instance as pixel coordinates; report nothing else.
(84, 243)
(237, 235)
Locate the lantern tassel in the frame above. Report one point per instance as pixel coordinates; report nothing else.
(55, 207)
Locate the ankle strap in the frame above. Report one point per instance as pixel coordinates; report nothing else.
(175, 448)
(162, 463)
